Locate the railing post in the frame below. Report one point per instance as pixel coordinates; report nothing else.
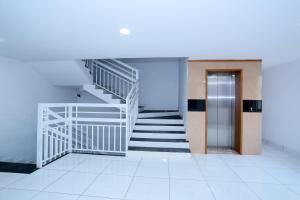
(127, 126)
(69, 121)
(39, 148)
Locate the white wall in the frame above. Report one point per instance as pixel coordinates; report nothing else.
(159, 82)
(281, 106)
(183, 89)
(64, 72)
(22, 88)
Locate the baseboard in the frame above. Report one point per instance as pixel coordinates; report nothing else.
(282, 148)
(23, 168)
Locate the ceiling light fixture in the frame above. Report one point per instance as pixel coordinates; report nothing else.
(124, 31)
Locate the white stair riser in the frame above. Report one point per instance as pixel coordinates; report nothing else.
(157, 114)
(99, 93)
(159, 128)
(159, 144)
(160, 121)
(158, 135)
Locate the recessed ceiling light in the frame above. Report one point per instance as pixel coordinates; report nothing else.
(124, 31)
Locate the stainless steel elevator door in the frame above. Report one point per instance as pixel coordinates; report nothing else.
(221, 110)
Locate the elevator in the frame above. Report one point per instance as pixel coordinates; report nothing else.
(223, 111)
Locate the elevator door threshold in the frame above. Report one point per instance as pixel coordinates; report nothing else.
(212, 150)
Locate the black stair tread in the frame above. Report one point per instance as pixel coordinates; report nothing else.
(158, 111)
(148, 124)
(149, 131)
(165, 117)
(159, 149)
(157, 140)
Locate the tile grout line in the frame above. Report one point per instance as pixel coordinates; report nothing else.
(94, 180)
(206, 181)
(133, 177)
(241, 179)
(18, 179)
(281, 183)
(65, 172)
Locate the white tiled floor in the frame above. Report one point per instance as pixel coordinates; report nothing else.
(159, 176)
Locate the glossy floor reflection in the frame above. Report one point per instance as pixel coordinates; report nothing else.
(159, 176)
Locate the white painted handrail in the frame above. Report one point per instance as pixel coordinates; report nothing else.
(124, 65)
(88, 127)
(70, 127)
(113, 76)
(82, 127)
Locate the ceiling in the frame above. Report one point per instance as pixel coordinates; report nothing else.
(200, 29)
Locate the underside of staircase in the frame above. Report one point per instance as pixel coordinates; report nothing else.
(159, 131)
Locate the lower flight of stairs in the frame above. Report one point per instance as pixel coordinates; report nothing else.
(160, 131)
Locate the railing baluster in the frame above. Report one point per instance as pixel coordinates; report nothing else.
(97, 138)
(120, 136)
(103, 138)
(86, 136)
(81, 137)
(51, 143)
(109, 137)
(114, 128)
(92, 138)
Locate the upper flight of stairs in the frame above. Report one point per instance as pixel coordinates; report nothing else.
(161, 131)
(102, 94)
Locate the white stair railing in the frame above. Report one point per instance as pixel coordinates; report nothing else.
(113, 76)
(90, 128)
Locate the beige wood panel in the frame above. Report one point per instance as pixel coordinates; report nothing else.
(252, 78)
(252, 133)
(196, 131)
(196, 81)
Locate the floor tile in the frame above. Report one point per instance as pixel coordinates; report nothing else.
(38, 180)
(190, 190)
(231, 191)
(221, 173)
(72, 183)
(208, 160)
(182, 169)
(92, 166)
(93, 198)
(54, 196)
(252, 160)
(254, 174)
(295, 188)
(157, 168)
(285, 176)
(148, 189)
(8, 178)
(66, 162)
(273, 192)
(121, 167)
(110, 186)
(14, 194)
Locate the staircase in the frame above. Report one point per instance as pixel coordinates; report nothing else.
(159, 131)
(113, 127)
